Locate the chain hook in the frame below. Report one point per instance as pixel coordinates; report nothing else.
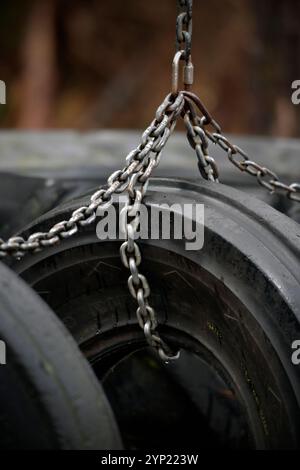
(188, 72)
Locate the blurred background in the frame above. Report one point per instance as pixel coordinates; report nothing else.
(90, 64)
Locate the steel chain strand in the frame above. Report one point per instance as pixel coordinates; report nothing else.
(153, 140)
(130, 221)
(200, 137)
(131, 257)
(199, 142)
(239, 158)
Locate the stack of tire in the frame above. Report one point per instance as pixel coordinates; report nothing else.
(232, 307)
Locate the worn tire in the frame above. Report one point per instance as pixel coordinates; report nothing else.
(49, 397)
(236, 301)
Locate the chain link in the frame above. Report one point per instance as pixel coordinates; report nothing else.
(184, 27)
(183, 45)
(202, 131)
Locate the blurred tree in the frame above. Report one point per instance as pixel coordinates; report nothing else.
(38, 76)
(90, 63)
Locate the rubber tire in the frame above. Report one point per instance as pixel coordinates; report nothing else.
(49, 397)
(239, 296)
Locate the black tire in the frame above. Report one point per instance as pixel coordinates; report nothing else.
(236, 302)
(49, 397)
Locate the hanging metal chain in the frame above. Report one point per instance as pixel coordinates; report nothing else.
(197, 137)
(239, 158)
(139, 162)
(202, 130)
(200, 137)
(130, 220)
(184, 27)
(131, 258)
